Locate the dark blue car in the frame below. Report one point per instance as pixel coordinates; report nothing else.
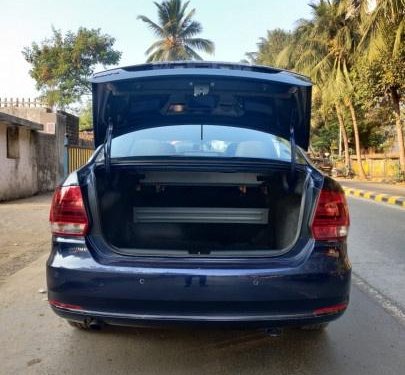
(199, 205)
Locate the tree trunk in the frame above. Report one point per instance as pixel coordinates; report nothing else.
(344, 136)
(400, 134)
(356, 138)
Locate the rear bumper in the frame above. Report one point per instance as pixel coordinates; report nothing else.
(231, 321)
(273, 294)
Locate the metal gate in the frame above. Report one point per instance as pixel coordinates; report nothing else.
(76, 156)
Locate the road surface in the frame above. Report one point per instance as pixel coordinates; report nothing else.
(368, 339)
(377, 246)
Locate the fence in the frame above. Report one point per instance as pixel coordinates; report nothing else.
(22, 102)
(376, 166)
(76, 156)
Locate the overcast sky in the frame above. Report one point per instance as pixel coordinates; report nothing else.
(234, 25)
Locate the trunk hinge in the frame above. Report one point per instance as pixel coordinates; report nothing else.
(107, 147)
(293, 120)
(293, 148)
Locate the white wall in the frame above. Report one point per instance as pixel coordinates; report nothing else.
(18, 177)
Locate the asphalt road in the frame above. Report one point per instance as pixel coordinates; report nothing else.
(377, 247)
(368, 339)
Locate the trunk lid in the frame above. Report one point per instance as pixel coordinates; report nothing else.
(150, 95)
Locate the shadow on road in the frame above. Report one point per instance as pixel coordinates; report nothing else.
(186, 350)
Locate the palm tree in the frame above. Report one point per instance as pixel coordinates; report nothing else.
(176, 31)
(325, 49)
(388, 17)
(333, 102)
(383, 38)
(271, 46)
(343, 131)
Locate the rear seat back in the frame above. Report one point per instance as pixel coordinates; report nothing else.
(151, 147)
(256, 149)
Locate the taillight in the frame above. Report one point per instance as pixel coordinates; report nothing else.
(68, 215)
(331, 220)
(66, 306)
(331, 309)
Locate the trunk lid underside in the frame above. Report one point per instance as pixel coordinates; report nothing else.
(268, 100)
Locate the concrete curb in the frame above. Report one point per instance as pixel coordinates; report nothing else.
(395, 200)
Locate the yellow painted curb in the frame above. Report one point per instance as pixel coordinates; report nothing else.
(394, 200)
(379, 197)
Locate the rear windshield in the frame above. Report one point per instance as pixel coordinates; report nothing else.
(201, 141)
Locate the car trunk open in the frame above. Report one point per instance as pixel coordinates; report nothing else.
(200, 212)
(210, 213)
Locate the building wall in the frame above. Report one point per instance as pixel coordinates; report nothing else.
(50, 151)
(18, 177)
(46, 160)
(72, 127)
(32, 114)
(39, 167)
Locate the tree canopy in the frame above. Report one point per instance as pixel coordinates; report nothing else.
(176, 32)
(270, 46)
(355, 56)
(63, 63)
(86, 117)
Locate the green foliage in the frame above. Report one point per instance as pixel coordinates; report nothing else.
(86, 117)
(356, 58)
(374, 79)
(270, 47)
(176, 32)
(325, 138)
(325, 128)
(383, 29)
(62, 64)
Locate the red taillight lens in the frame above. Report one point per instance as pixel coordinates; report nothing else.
(68, 215)
(331, 220)
(62, 305)
(331, 309)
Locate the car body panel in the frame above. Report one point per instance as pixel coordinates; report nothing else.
(262, 295)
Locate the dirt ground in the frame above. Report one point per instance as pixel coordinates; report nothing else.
(24, 232)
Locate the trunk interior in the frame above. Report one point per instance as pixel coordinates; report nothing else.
(199, 212)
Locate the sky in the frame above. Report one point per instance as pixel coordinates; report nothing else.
(235, 26)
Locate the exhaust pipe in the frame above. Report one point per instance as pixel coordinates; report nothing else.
(95, 324)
